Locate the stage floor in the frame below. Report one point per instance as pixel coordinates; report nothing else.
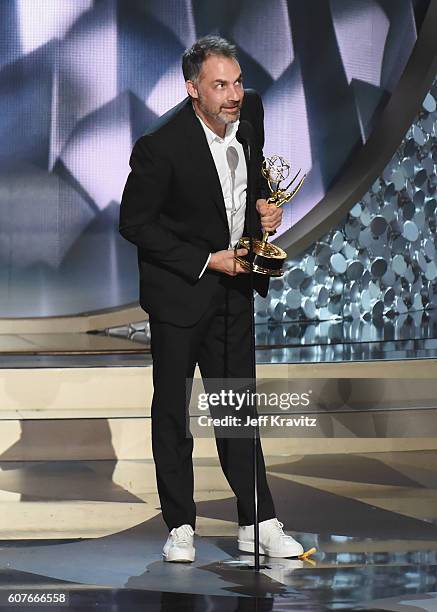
(372, 517)
(406, 337)
(339, 352)
(410, 336)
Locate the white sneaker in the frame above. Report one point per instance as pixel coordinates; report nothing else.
(179, 546)
(273, 542)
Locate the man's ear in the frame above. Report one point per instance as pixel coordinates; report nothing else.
(191, 89)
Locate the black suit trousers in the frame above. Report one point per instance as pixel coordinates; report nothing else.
(220, 343)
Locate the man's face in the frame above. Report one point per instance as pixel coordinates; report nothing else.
(218, 92)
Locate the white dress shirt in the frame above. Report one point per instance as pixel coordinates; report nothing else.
(228, 155)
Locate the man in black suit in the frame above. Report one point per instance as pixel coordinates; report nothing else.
(184, 206)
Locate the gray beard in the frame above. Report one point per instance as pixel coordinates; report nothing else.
(218, 116)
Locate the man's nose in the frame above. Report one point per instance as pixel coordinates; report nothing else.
(235, 93)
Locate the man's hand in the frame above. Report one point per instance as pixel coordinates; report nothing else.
(223, 261)
(271, 215)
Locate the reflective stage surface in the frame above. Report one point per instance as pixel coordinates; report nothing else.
(372, 517)
(412, 336)
(406, 336)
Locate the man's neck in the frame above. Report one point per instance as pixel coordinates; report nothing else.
(217, 127)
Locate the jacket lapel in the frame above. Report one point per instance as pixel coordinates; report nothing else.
(253, 174)
(202, 160)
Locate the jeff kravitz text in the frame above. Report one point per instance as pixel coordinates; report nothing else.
(265, 420)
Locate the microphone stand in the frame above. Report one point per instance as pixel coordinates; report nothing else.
(249, 202)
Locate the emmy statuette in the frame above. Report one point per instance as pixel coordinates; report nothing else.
(265, 258)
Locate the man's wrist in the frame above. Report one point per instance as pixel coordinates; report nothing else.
(211, 260)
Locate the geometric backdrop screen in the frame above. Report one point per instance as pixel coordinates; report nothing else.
(81, 81)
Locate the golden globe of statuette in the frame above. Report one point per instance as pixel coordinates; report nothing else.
(265, 258)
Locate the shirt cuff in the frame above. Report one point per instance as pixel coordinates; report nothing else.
(204, 267)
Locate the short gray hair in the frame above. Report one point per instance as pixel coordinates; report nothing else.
(193, 58)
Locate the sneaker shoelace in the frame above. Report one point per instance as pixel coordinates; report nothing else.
(182, 534)
(280, 531)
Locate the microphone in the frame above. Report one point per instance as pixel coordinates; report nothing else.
(245, 133)
(232, 159)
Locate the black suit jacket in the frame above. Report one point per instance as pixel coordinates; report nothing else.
(173, 210)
